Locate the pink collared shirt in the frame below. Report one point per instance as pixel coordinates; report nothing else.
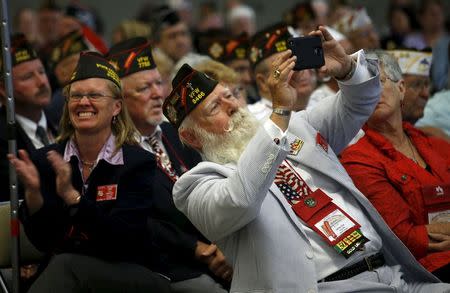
(106, 153)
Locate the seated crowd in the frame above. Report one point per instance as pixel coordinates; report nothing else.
(190, 159)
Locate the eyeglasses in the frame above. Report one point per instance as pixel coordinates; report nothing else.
(90, 96)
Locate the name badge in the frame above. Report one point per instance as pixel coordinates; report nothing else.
(334, 225)
(106, 192)
(437, 202)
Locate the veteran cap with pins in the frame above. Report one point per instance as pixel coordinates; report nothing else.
(190, 88)
(70, 44)
(269, 41)
(413, 61)
(93, 64)
(21, 51)
(224, 48)
(132, 55)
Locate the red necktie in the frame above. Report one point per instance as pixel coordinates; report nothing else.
(162, 159)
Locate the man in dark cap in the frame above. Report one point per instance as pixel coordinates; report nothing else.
(265, 47)
(32, 93)
(62, 61)
(275, 198)
(233, 52)
(171, 34)
(192, 253)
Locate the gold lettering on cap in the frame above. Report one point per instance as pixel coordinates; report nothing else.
(281, 46)
(22, 56)
(196, 95)
(109, 72)
(143, 62)
(240, 53)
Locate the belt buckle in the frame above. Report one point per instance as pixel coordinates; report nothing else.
(369, 264)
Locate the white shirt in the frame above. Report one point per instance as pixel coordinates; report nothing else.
(144, 140)
(326, 259)
(30, 128)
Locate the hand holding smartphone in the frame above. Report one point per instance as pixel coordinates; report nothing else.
(308, 50)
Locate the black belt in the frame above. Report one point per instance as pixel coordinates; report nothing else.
(367, 264)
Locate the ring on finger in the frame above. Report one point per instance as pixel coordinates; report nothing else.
(276, 74)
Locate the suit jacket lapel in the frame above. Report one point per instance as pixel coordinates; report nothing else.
(23, 137)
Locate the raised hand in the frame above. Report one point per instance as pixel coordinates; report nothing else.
(211, 255)
(29, 176)
(283, 93)
(63, 171)
(337, 63)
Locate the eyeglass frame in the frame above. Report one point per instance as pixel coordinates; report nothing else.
(90, 96)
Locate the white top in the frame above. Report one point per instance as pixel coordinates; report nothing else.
(326, 259)
(146, 146)
(30, 128)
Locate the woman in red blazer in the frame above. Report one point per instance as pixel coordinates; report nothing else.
(405, 174)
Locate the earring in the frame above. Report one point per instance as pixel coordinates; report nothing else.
(114, 120)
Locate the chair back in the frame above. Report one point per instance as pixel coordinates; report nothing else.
(28, 253)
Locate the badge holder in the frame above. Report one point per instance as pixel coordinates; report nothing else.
(334, 225)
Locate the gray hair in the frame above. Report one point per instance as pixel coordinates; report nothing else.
(387, 63)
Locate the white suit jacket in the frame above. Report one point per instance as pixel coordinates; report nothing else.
(239, 207)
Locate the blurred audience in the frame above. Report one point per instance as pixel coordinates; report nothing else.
(404, 174)
(233, 52)
(128, 29)
(440, 68)
(431, 18)
(241, 19)
(209, 17)
(357, 26)
(400, 21)
(49, 17)
(171, 35)
(436, 114)
(26, 22)
(302, 17)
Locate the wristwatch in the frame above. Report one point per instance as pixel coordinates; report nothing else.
(282, 112)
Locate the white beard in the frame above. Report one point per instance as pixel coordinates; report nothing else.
(228, 147)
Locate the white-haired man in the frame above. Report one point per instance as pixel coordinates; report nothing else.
(277, 201)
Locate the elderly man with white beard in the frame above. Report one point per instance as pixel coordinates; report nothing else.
(275, 198)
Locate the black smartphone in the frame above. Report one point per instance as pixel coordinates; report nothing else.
(308, 50)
